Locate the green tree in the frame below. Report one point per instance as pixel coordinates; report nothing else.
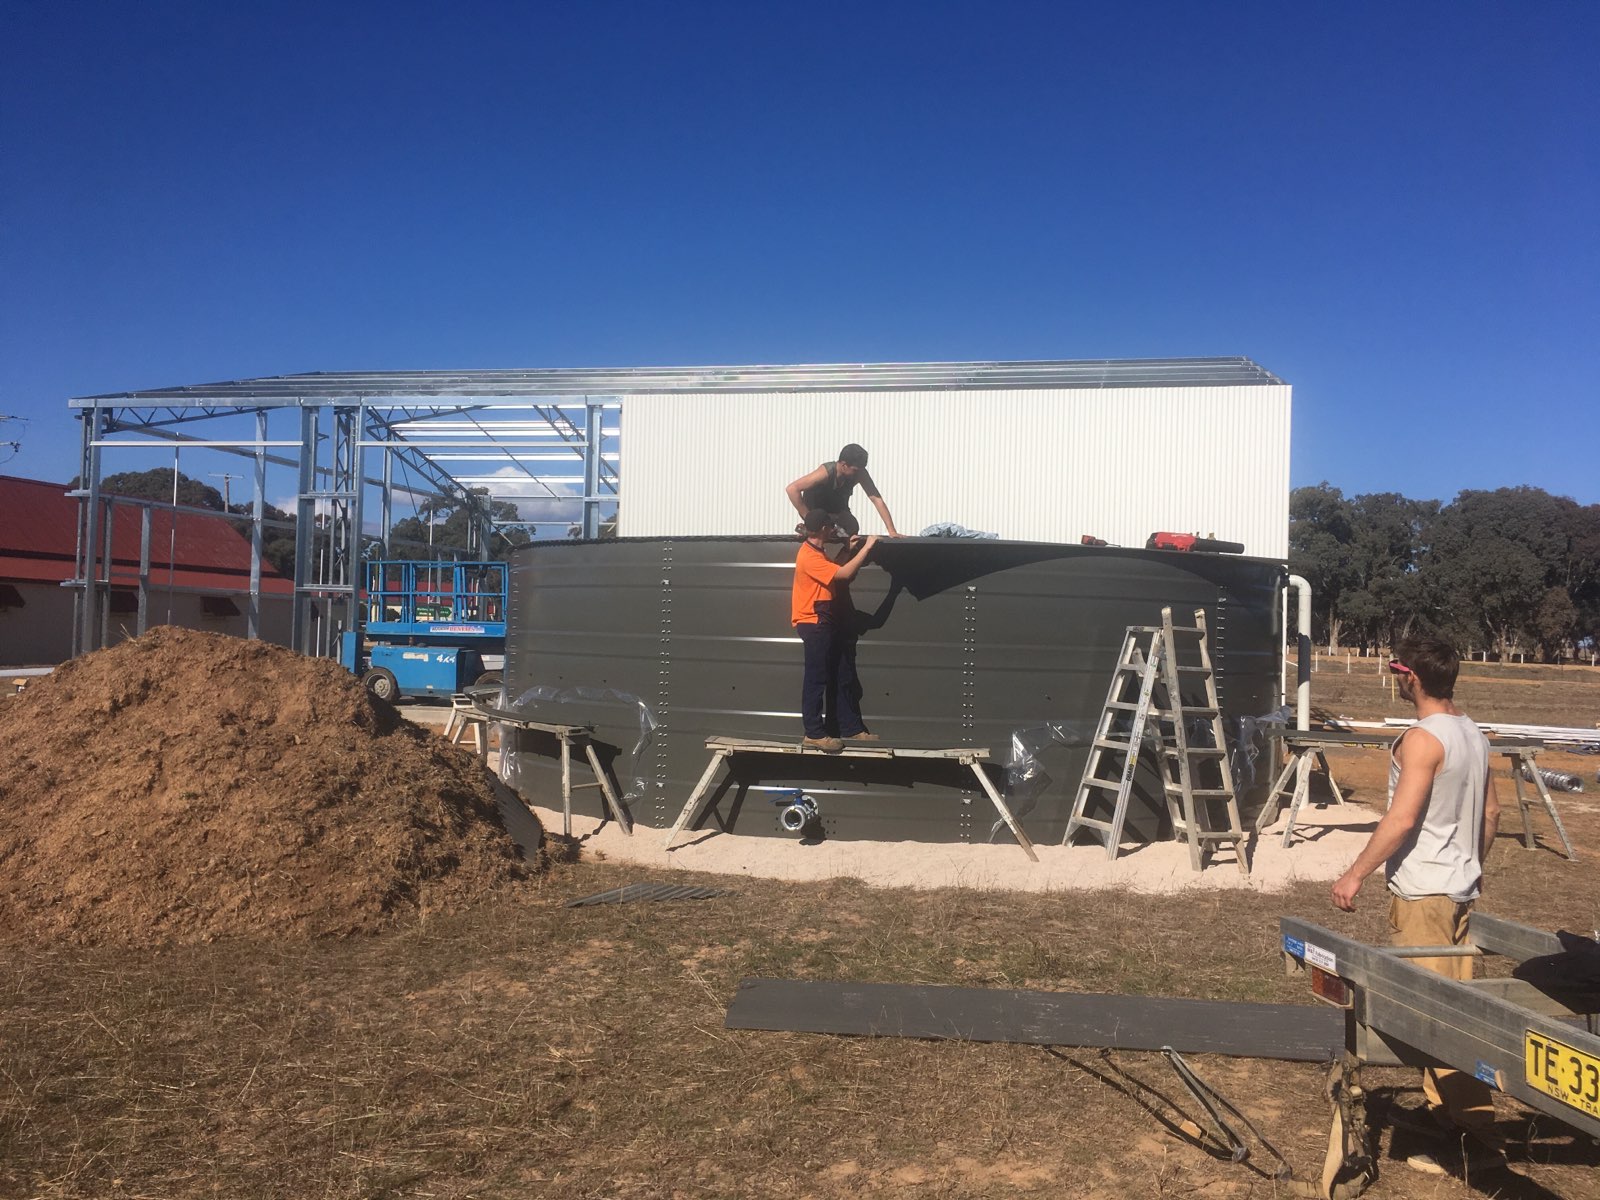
(1387, 533)
(1582, 566)
(1512, 569)
(1360, 555)
(1555, 624)
(1492, 559)
(444, 524)
(1321, 528)
(156, 484)
(277, 545)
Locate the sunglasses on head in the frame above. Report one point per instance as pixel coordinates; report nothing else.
(1399, 668)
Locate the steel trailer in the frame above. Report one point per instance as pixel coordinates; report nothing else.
(1532, 1035)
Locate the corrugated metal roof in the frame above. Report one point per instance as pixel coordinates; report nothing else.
(816, 377)
(39, 543)
(1030, 464)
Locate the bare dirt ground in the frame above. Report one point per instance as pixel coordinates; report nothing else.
(520, 1048)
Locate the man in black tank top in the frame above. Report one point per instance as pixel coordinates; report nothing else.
(829, 487)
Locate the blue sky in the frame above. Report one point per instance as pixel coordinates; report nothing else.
(1392, 206)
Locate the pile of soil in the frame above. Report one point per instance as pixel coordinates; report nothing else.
(186, 786)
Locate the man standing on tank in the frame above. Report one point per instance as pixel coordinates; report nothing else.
(1442, 818)
(830, 703)
(829, 488)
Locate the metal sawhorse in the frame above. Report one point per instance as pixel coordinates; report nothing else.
(1307, 749)
(724, 748)
(471, 713)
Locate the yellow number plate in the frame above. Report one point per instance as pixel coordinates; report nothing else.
(1556, 1069)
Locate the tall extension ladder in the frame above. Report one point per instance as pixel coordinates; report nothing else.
(1150, 656)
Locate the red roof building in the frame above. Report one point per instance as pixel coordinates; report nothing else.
(197, 567)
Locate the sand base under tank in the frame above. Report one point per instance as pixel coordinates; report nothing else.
(1327, 842)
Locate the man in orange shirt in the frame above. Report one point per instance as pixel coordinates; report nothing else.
(828, 695)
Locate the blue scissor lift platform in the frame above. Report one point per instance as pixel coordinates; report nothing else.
(429, 628)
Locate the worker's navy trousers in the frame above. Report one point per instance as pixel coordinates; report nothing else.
(830, 697)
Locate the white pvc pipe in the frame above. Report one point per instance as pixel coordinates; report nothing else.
(1302, 700)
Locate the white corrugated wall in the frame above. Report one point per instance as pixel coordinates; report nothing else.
(1036, 464)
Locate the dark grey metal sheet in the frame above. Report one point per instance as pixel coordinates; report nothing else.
(964, 643)
(1291, 1032)
(631, 892)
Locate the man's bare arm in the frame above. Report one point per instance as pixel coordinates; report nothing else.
(849, 570)
(1420, 756)
(809, 479)
(883, 511)
(869, 485)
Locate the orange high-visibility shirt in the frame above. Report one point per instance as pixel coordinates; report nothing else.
(813, 581)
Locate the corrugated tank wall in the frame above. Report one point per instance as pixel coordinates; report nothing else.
(661, 643)
(1030, 464)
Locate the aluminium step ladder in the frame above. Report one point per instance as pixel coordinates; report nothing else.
(1132, 690)
(1148, 684)
(1196, 777)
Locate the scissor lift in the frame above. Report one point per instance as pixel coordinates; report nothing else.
(1536, 1041)
(429, 628)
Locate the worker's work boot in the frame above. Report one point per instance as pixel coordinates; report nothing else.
(1471, 1157)
(1480, 1150)
(828, 745)
(864, 736)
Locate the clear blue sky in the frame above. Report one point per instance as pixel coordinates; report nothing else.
(1392, 206)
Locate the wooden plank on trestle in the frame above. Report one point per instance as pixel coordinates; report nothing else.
(1291, 1032)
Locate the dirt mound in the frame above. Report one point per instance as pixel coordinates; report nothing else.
(186, 786)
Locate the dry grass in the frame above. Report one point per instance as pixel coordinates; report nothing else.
(1522, 695)
(526, 1049)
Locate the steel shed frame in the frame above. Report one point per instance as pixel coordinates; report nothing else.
(514, 419)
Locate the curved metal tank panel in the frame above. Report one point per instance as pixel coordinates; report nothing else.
(964, 643)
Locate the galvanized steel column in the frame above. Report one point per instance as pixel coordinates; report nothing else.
(386, 499)
(143, 621)
(593, 428)
(84, 637)
(106, 538)
(253, 614)
(354, 560)
(305, 527)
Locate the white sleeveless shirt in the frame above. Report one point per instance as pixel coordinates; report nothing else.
(1443, 855)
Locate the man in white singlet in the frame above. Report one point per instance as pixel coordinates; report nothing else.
(1442, 819)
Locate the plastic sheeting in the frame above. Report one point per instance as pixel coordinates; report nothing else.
(949, 529)
(1252, 737)
(546, 704)
(1026, 777)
